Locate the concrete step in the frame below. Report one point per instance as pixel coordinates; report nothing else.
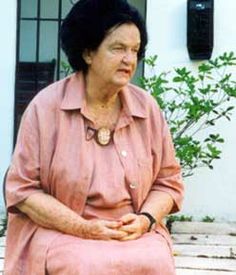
(204, 228)
(202, 239)
(207, 251)
(209, 264)
(202, 272)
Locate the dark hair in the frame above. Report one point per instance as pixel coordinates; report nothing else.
(88, 23)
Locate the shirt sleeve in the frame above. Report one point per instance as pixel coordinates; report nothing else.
(23, 177)
(168, 178)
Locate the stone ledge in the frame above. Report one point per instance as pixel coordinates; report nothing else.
(205, 251)
(213, 228)
(204, 239)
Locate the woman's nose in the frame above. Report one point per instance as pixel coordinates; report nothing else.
(129, 57)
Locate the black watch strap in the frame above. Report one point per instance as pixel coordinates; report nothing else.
(151, 219)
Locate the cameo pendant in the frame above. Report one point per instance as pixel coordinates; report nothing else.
(103, 136)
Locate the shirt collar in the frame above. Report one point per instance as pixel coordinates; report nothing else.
(133, 101)
(131, 97)
(74, 95)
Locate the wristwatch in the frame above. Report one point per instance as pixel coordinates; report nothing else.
(151, 219)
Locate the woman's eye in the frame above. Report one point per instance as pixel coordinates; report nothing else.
(135, 50)
(118, 49)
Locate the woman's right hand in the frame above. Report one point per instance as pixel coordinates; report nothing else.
(103, 230)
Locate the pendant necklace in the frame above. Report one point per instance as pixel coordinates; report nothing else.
(102, 135)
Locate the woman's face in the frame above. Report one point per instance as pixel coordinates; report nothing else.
(115, 60)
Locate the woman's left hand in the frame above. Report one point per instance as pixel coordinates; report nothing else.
(134, 225)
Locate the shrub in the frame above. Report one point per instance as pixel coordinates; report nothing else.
(193, 102)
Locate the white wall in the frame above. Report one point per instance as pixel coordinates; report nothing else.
(7, 81)
(207, 192)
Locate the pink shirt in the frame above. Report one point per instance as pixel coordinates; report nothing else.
(52, 155)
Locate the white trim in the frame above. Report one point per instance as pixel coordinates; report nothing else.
(8, 16)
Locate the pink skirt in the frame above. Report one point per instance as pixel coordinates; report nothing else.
(149, 255)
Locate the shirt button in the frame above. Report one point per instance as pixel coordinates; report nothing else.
(133, 185)
(124, 153)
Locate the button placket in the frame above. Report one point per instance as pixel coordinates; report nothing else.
(130, 169)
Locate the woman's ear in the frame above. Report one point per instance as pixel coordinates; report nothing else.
(87, 56)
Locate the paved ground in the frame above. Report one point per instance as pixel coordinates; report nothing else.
(199, 248)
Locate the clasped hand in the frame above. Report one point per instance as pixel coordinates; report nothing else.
(128, 227)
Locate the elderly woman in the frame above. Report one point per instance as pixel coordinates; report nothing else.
(94, 170)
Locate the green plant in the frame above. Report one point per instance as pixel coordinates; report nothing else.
(176, 218)
(65, 68)
(3, 226)
(208, 219)
(193, 102)
(179, 218)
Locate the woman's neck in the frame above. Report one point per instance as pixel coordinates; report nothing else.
(100, 94)
(97, 99)
(103, 104)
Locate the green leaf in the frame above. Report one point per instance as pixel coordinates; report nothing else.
(177, 79)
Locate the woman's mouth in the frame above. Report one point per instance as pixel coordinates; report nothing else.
(125, 71)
